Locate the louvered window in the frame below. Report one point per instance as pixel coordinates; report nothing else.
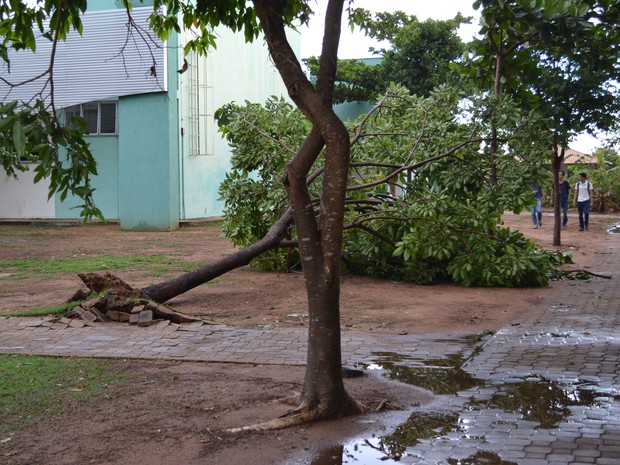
(100, 117)
(107, 119)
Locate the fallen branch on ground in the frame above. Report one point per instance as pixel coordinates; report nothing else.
(587, 272)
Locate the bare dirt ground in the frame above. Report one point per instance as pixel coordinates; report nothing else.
(175, 412)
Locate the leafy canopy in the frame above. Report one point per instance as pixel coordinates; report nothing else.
(420, 203)
(418, 57)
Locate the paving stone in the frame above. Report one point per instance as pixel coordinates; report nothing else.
(77, 323)
(88, 316)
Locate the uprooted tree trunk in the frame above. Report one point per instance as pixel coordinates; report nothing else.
(165, 291)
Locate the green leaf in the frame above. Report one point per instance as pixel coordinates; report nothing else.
(19, 137)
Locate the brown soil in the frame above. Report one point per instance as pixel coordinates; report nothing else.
(175, 412)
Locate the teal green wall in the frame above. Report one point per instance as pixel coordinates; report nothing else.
(149, 157)
(98, 5)
(352, 110)
(105, 151)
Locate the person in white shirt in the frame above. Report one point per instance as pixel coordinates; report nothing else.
(583, 194)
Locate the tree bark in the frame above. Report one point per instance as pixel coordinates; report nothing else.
(320, 242)
(165, 291)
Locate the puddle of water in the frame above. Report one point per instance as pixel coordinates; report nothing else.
(419, 426)
(614, 229)
(330, 456)
(390, 448)
(441, 376)
(540, 400)
(481, 458)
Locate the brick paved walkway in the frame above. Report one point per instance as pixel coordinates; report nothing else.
(572, 343)
(568, 344)
(208, 343)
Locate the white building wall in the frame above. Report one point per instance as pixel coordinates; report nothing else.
(107, 61)
(235, 71)
(22, 198)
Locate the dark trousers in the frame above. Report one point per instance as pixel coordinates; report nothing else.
(564, 208)
(584, 213)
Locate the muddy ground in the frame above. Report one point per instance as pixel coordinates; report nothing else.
(175, 412)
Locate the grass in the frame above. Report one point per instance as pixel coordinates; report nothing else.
(53, 310)
(34, 387)
(45, 268)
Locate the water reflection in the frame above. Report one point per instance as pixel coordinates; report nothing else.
(539, 400)
(481, 458)
(534, 397)
(418, 426)
(392, 447)
(441, 376)
(330, 456)
(614, 228)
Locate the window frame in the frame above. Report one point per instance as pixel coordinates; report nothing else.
(70, 111)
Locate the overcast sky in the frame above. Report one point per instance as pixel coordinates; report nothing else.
(355, 44)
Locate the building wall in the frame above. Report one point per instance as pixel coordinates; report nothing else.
(101, 63)
(147, 178)
(105, 151)
(22, 198)
(87, 68)
(149, 157)
(235, 71)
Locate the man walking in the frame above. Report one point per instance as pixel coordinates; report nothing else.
(536, 209)
(564, 195)
(583, 194)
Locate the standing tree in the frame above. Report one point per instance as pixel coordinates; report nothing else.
(557, 58)
(319, 240)
(418, 57)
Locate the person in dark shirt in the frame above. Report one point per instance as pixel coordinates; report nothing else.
(536, 209)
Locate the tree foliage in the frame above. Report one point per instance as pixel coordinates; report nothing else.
(420, 204)
(558, 58)
(418, 56)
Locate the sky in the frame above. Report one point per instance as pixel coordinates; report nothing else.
(355, 44)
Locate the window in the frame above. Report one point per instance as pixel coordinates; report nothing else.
(100, 117)
(201, 122)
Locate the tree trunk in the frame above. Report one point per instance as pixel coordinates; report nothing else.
(324, 390)
(320, 242)
(165, 291)
(556, 164)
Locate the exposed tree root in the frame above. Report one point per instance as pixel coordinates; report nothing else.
(108, 282)
(297, 417)
(386, 405)
(292, 399)
(106, 295)
(294, 419)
